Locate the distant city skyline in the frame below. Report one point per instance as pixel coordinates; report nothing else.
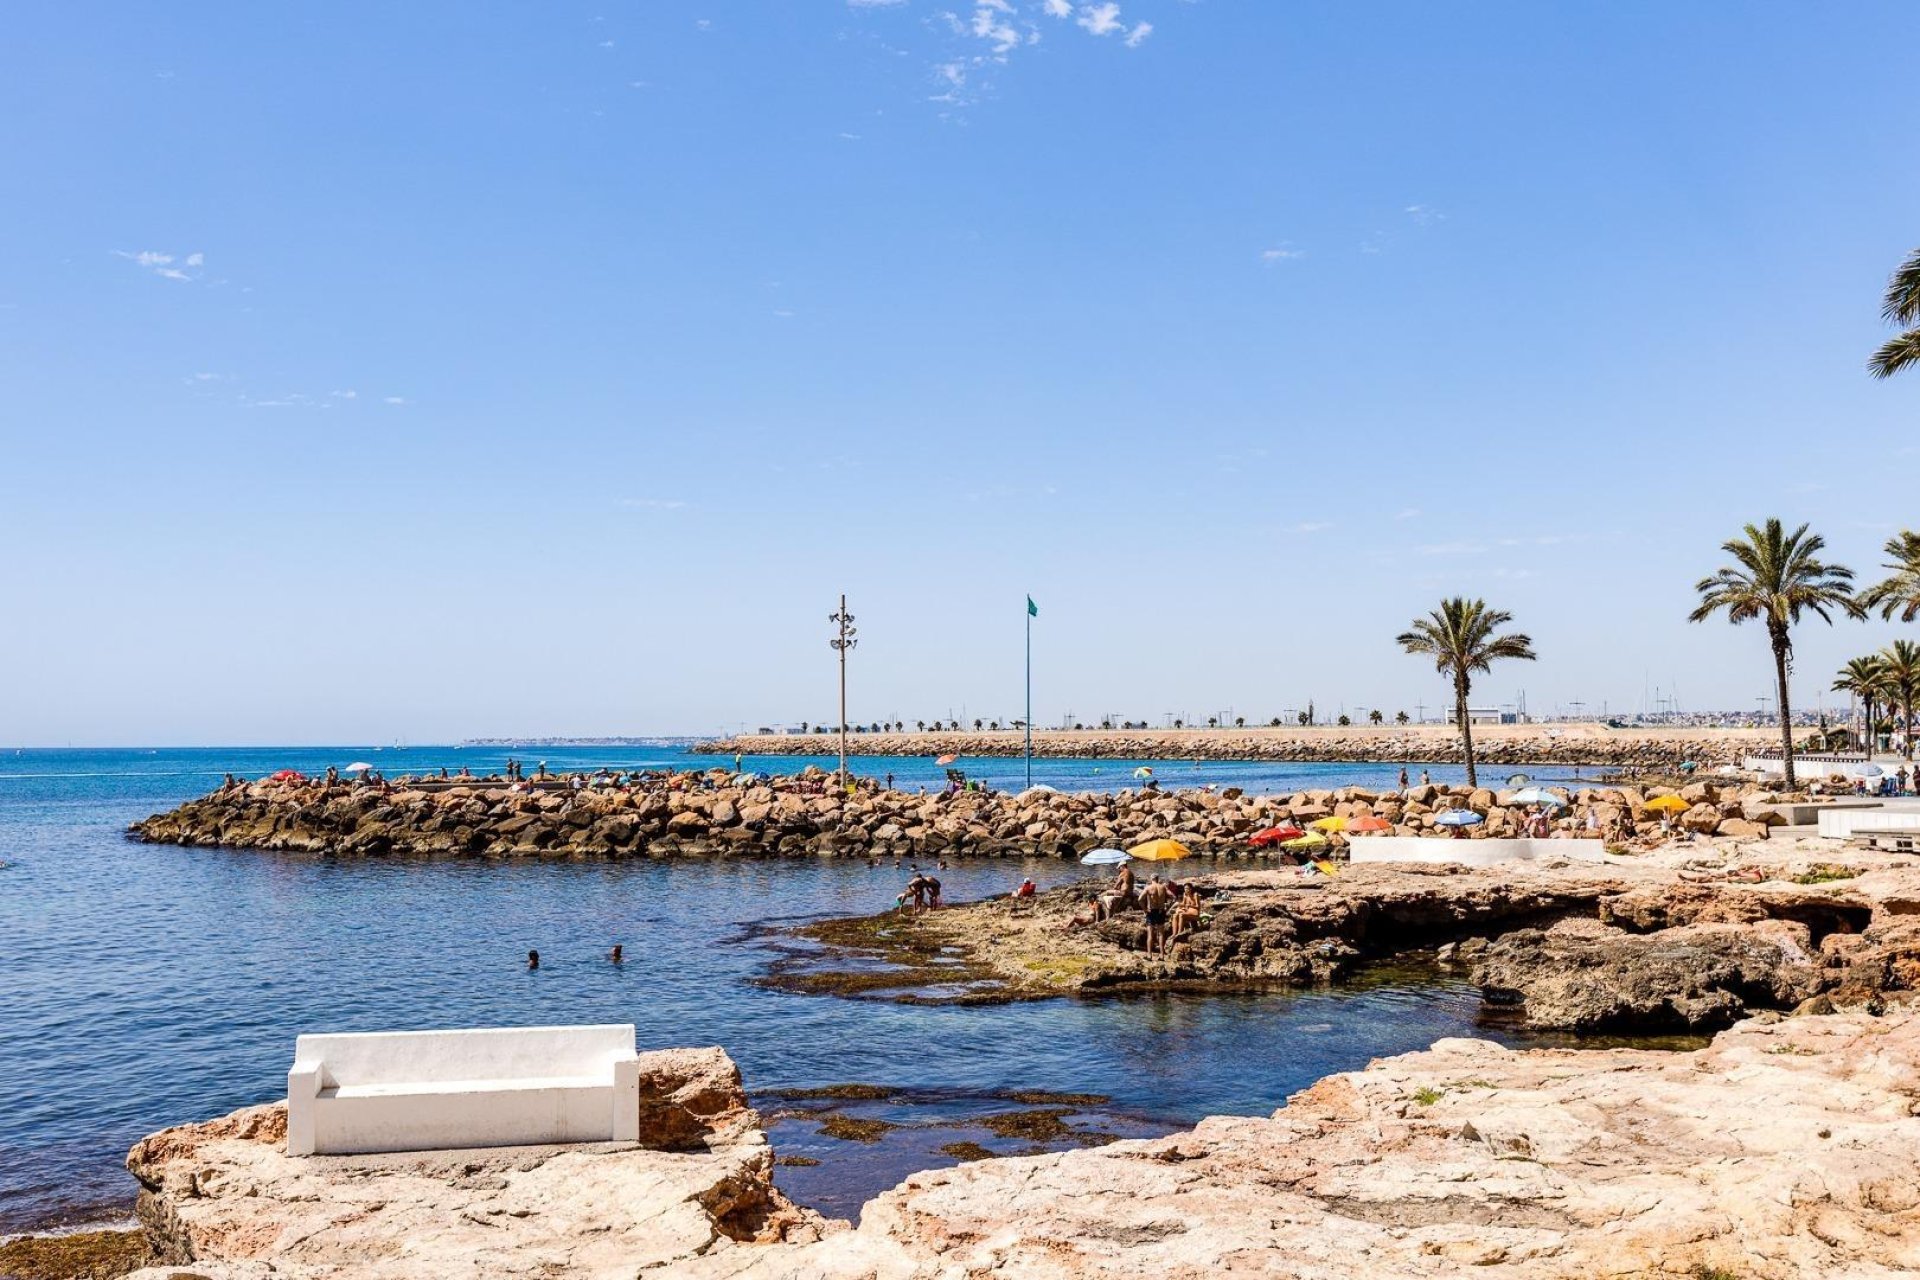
(427, 372)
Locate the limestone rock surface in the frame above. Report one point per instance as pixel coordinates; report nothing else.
(1787, 1150)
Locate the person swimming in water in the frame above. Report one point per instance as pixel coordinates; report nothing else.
(616, 955)
(533, 961)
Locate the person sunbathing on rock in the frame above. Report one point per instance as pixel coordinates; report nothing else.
(1186, 913)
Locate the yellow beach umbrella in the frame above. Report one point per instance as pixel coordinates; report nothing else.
(1312, 840)
(1158, 851)
(1329, 824)
(1669, 804)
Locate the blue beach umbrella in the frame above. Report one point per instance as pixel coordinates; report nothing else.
(1103, 858)
(1457, 818)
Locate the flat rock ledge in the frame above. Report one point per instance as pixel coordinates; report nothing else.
(1787, 1150)
(1689, 939)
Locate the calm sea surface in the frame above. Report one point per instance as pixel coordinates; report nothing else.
(142, 986)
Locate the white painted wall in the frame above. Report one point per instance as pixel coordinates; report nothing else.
(356, 1093)
(1471, 853)
(1810, 766)
(1838, 824)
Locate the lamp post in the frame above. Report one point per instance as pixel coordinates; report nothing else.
(843, 641)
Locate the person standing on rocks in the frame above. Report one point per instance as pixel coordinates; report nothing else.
(1155, 900)
(1403, 777)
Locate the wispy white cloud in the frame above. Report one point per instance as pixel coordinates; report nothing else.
(345, 395)
(1007, 25)
(652, 504)
(1406, 513)
(873, 4)
(1281, 253)
(1311, 526)
(396, 400)
(990, 23)
(1424, 213)
(163, 264)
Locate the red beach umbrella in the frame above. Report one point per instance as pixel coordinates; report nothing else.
(946, 759)
(1369, 824)
(284, 775)
(1275, 835)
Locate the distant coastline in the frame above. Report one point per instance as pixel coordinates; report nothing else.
(645, 740)
(1585, 744)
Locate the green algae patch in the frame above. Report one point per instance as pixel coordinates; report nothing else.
(855, 1128)
(889, 956)
(1043, 1125)
(85, 1255)
(1825, 873)
(1047, 1098)
(796, 1162)
(838, 1092)
(966, 1152)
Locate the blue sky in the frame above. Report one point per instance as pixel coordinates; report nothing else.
(435, 370)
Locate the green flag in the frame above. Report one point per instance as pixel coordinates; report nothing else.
(1033, 610)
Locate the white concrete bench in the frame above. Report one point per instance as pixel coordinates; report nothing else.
(433, 1090)
(1471, 853)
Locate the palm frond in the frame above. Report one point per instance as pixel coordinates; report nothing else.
(1902, 303)
(1895, 355)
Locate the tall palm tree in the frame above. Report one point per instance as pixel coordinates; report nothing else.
(1775, 577)
(1866, 679)
(1900, 306)
(1459, 637)
(1899, 591)
(1900, 662)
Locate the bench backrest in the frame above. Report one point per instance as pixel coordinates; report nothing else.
(491, 1053)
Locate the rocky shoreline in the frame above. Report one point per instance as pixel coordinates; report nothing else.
(1685, 939)
(1784, 1150)
(717, 814)
(1632, 750)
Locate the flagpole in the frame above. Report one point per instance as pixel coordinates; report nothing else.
(1029, 720)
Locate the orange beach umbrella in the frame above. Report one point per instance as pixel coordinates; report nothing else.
(1158, 851)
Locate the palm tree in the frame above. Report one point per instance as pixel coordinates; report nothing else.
(1375, 716)
(1775, 577)
(1901, 306)
(1866, 679)
(1900, 664)
(1459, 637)
(1400, 717)
(1900, 590)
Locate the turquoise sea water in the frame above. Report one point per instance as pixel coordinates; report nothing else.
(142, 986)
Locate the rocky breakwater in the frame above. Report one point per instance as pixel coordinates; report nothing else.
(1633, 750)
(1786, 1150)
(715, 814)
(224, 1198)
(1685, 940)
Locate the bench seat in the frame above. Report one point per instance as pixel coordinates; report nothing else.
(357, 1094)
(422, 1088)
